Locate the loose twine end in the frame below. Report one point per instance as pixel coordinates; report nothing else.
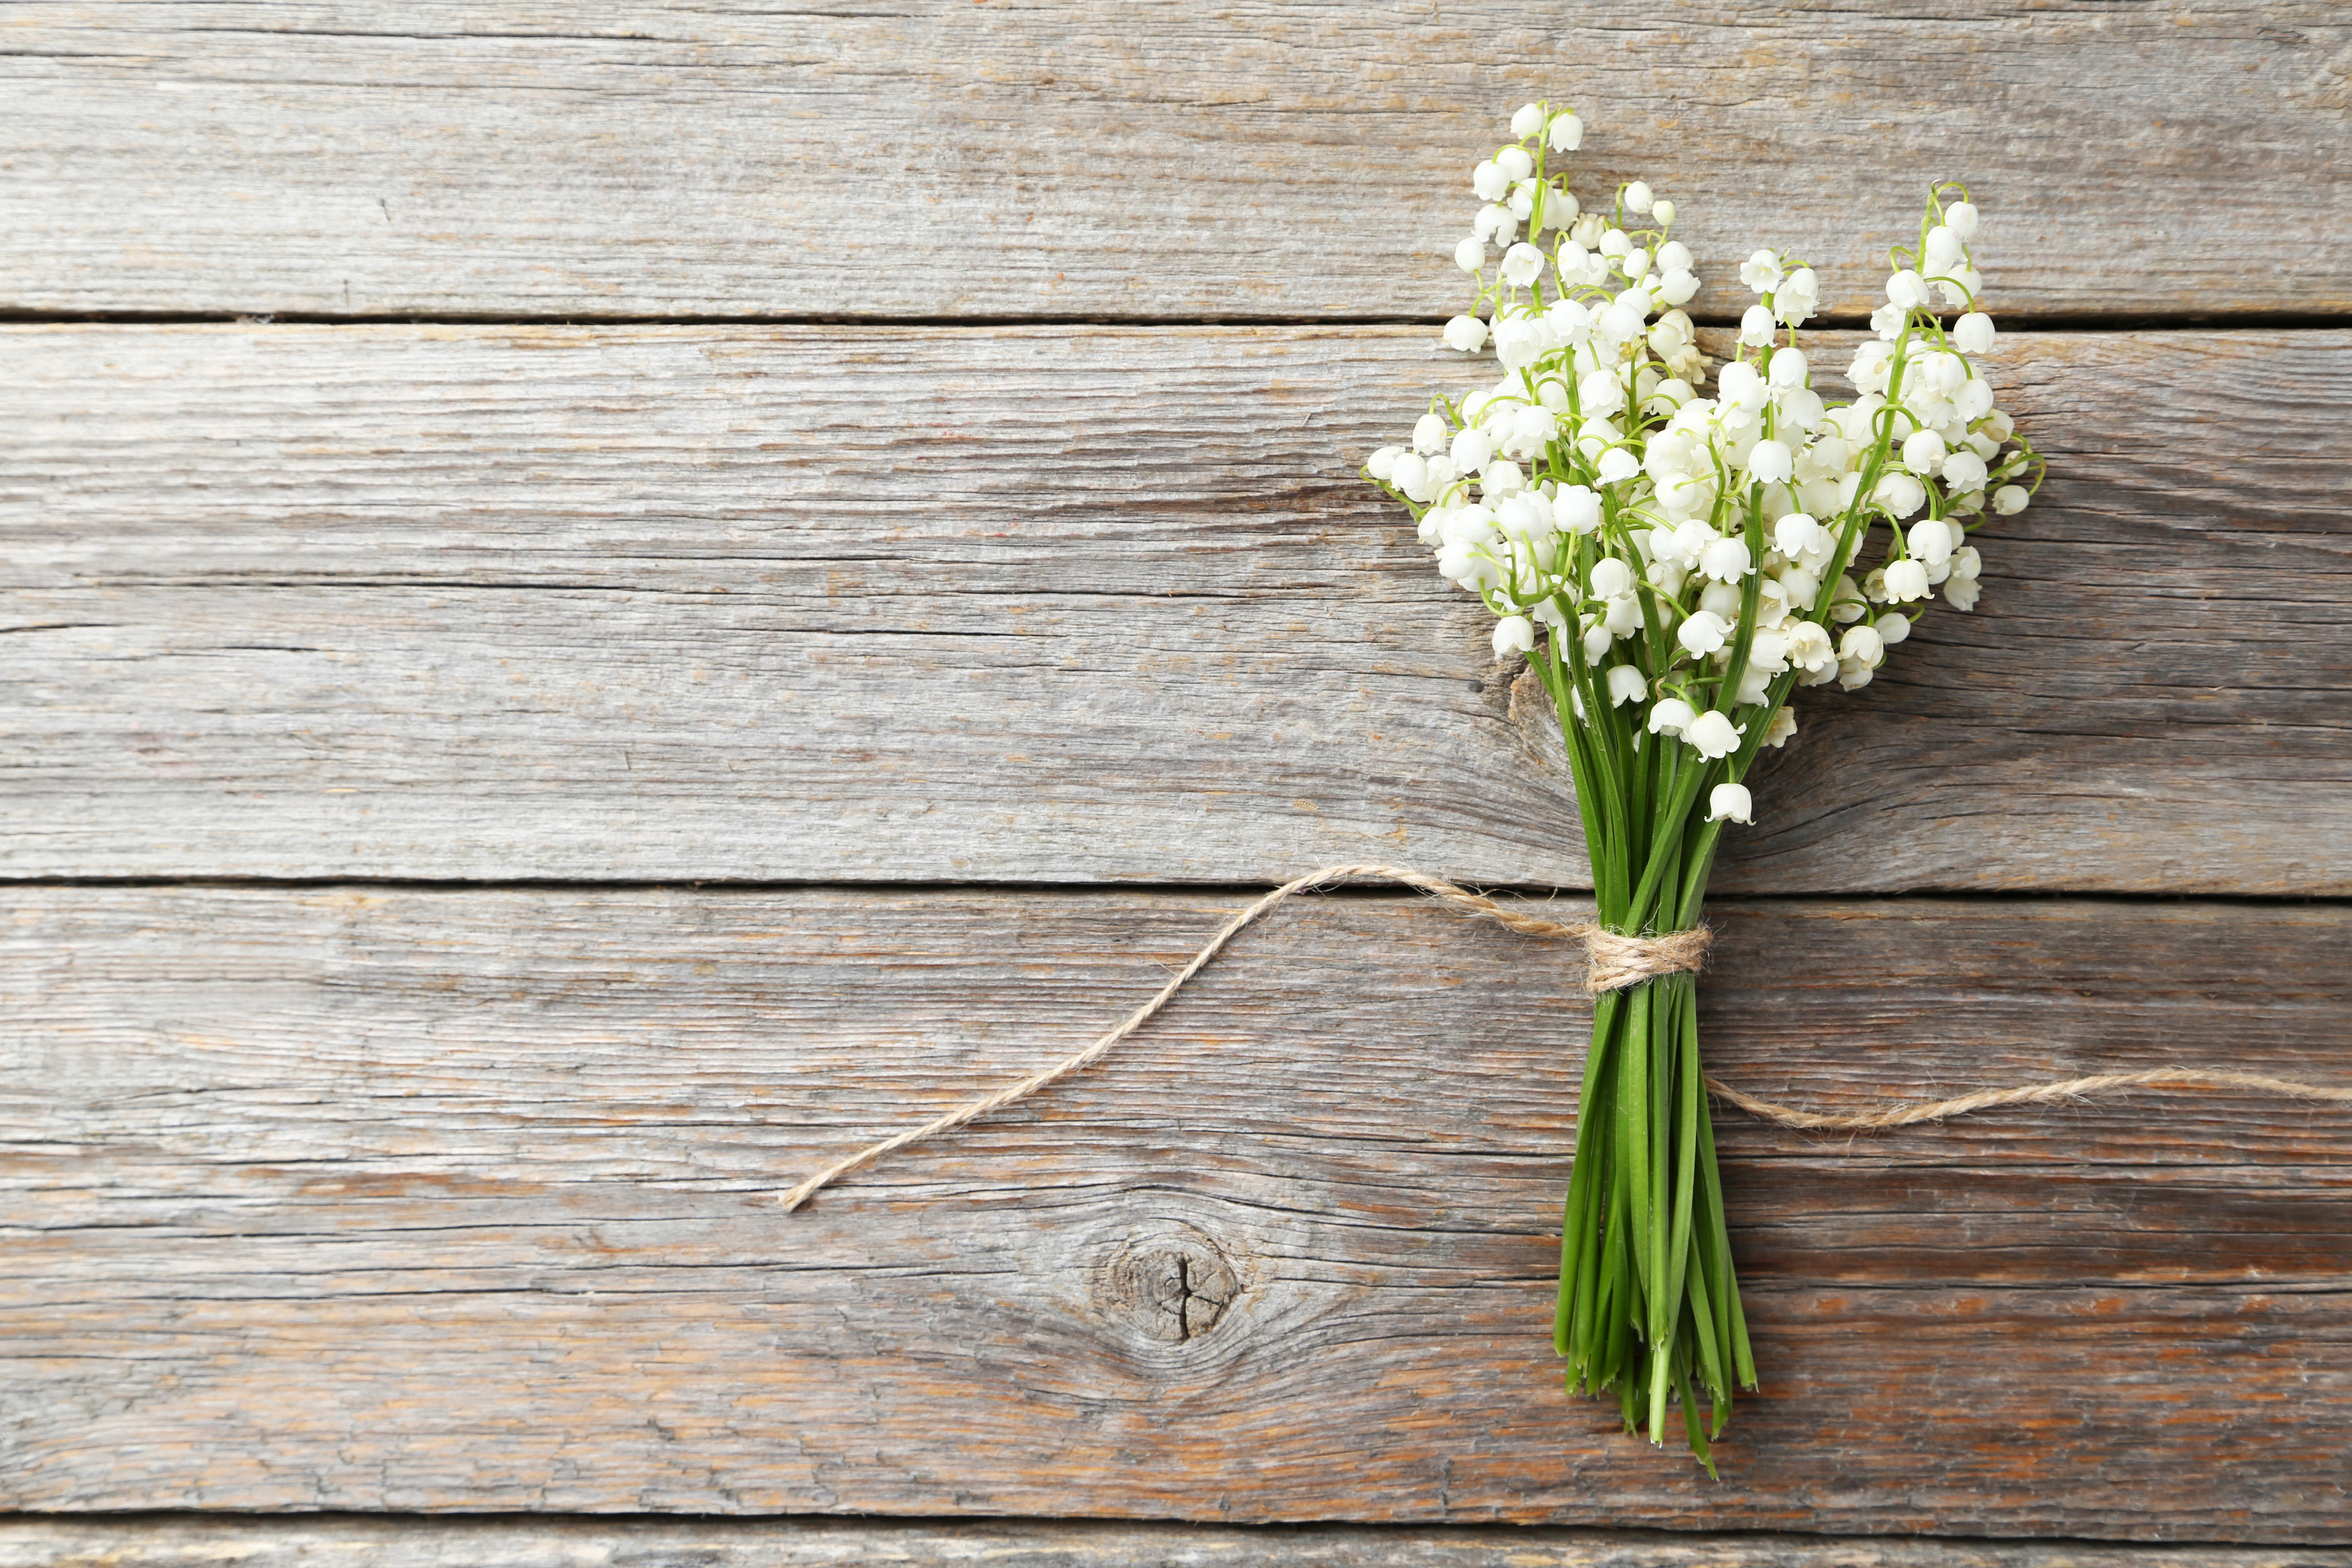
(1613, 961)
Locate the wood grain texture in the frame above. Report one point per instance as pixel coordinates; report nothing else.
(1060, 605)
(1156, 160)
(462, 1200)
(182, 1541)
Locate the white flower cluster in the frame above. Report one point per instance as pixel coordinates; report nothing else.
(1695, 556)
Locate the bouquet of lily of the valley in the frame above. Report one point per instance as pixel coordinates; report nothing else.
(1674, 565)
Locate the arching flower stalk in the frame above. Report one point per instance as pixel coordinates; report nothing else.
(1674, 565)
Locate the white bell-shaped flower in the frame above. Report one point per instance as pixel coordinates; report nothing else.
(1923, 452)
(1862, 644)
(1429, 434)
(1730, 801)
(1931, 540)
(1610, 578)
(1714, 735)
(1618, 465)
(1527, 120)
(1906, 581)
(1566, 135)
(1626, 685)
(1960, 592)
(1726, 560)
(1703, 632)
(1522, 265)
(1770, 462)
(1577, 509)
(1514, 633)
(1756, 327)
(1787, 367)
(1672, 716)
(1906, 291)
(1808, 647)
(1468, 333)
(1900, 494)
(1972, 333)
(1382, 463)
(1472, 448)
(1783, 725)
(2010, 499)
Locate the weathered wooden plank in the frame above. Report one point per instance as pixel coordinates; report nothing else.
(1052, 604)
(184, 1542)
(425, 1200)
(1159, 160)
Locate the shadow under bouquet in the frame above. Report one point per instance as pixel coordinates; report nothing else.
(1674, 565)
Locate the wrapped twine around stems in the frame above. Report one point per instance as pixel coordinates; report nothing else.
(1614, 962)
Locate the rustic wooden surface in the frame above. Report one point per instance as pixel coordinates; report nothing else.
(184, 1542)
(1081, 604)
(1134, 161)
(403, 1136)
(432, 1199)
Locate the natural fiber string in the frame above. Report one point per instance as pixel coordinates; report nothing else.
(1613, 963)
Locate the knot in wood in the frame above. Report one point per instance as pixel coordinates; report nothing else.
(1173, 1287)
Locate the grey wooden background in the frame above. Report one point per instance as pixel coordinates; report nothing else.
(602, 603)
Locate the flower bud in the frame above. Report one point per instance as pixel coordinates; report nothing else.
(1892, 627)
(1468, 333)
(2010, 499)
(1527, 120)
(1639, 198)
(1662, 212)
(1960, 217)
(1515, 162)
(1382, 463)
(1471, 254)
(1730, 801)
(1618, 465)
(1626, 685)
(1514, 633)
(1713, 734)
(1598, 640)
